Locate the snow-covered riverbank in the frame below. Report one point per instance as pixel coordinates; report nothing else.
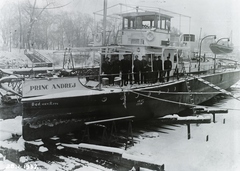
(221, 152)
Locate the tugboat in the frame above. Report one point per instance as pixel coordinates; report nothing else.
(58, 105)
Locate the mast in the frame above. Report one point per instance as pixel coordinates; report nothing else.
(199, 40)
(104, 40)
(104, 21)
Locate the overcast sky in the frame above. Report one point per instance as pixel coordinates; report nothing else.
(218, 17)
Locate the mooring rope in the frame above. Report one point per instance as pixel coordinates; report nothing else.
(187, 93)
(231, 95)
(195, 93)
(179, 103)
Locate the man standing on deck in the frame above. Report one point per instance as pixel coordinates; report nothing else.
(155, 70)
(106, 68)
(130, 69)
(144, 68)
(136, 69)
(167, 66)
(125, 68)
(115, 67)
(160, 70)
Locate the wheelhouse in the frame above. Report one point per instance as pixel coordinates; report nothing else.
(146, 20)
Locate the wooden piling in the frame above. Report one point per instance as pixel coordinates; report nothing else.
(214, 119)
(189, 131)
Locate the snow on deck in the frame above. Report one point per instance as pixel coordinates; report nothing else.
(89, 92)
(74, 93)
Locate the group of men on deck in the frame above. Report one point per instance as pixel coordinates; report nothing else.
(142, 70)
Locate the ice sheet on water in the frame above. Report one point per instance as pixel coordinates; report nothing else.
(43, 149)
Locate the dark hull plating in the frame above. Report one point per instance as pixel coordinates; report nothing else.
(69, 114)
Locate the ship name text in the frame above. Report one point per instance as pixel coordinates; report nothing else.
(53, 86)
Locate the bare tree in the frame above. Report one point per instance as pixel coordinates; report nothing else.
(34, 14)
(30, 23)
(8, 24)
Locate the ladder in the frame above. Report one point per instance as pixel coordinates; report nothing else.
(68, 62)
(188, 88)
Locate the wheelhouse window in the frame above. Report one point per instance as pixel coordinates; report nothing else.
(146, 22)
(189, 37)
(139, 24)
(131, 24)
(125, 23)
(164, 23)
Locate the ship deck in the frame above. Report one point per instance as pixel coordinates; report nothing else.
(116, 88)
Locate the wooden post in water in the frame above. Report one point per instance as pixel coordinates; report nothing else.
(189, 131)
(214, 120)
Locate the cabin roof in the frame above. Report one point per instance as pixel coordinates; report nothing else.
(146, 13)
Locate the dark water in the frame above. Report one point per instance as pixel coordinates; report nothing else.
(8, 111)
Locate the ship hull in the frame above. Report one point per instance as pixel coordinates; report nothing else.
(54, 116)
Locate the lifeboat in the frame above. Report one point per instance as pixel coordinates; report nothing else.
(220, 49)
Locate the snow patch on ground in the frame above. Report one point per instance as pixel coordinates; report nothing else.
(221, 151)
(9, 128)
(12, 126)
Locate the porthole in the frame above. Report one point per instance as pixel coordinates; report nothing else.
(104, 99)
(137, 96)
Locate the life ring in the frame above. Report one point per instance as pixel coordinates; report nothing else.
(98, 37)
(150, 36)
